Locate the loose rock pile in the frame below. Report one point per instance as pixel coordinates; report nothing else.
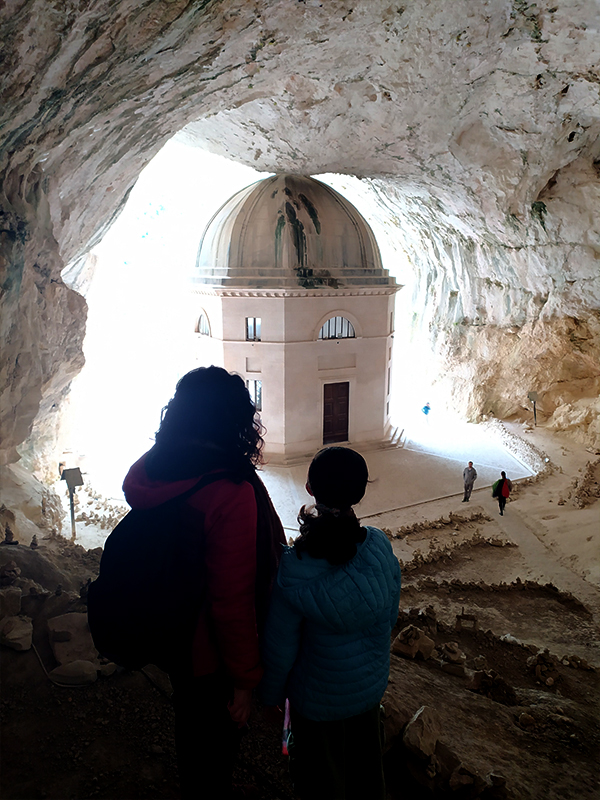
(411, 641)
(537, 460)
(439, 768)
(36, 603)
(490, 684)
(527, 682)
(94, 509)
(452, 520)
(586, 490)
(456, 585)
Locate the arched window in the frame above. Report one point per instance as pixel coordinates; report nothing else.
(202, 325)
(337, 328)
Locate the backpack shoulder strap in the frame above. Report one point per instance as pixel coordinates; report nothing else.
(205, 480)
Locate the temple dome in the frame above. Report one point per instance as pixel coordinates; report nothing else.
(289, 232)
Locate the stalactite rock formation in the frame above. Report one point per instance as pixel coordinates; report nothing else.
(474, 124)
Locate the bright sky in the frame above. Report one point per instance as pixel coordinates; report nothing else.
(140, 324)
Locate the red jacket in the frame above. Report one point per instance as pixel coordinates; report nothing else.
(226, 630)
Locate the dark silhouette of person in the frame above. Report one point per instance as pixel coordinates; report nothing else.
(211, 426)
(501, 491)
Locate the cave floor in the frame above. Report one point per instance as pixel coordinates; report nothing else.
(427, 466)
(531, 580)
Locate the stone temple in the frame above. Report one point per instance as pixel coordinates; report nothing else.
(291, 295)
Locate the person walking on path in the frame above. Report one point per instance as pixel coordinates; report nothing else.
(327, 638)
(501, 490)
(469, 478)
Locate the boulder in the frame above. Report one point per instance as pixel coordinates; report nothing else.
(454, 669)
(10, 601)
(396, 716)
(480, 662)
(38, 566)
(452, 652)
(70, 638)
(412, 641)
(466, 781)
(496, 789)
(75, 673)
(445, 761)
(526, 720)
(422, 732)
(106, 670)
(56, 604)
(16, 632)
(492, 685)
(33, 603)
(9, 571)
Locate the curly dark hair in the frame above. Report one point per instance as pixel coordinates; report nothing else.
(210, 419)
(337, 477)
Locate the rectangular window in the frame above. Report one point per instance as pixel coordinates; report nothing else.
(253, 329)
(255, 390)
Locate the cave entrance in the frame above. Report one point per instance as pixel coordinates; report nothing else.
(142, 331)
(143, 335)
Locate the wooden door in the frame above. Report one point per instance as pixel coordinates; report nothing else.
(335, 412)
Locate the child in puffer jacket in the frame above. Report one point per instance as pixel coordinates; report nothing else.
(327, 638)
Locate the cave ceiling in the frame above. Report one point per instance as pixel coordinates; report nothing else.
(475, 126)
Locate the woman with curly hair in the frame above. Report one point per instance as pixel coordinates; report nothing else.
(210, 428)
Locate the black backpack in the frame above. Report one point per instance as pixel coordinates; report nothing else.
(144, 605)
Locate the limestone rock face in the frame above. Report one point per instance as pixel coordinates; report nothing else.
(475, 125)
(29, 507)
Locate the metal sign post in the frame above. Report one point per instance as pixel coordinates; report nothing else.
(533, 397)
(73, 479)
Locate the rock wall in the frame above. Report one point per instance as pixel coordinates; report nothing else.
(476, 124)
(506, 319)
(42, 321)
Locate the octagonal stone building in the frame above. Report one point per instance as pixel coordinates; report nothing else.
(290, 293)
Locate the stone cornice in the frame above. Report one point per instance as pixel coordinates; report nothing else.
(220, 292)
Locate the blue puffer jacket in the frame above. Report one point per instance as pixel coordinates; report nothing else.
(327, 638)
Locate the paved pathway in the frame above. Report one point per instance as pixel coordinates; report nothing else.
(427, 468)
(543, 563)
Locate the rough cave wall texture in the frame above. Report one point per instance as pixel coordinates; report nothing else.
(476, 125)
